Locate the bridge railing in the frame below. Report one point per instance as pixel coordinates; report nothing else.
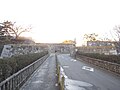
(113, 67)
(15, 81)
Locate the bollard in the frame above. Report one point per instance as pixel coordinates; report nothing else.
(62, 83)
(58, 74)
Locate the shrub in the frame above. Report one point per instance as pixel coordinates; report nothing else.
(109, 58)
(9, 66)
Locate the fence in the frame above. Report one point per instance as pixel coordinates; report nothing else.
(113, 67)
(15, 81)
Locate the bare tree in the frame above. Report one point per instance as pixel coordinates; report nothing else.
(17, 31)
(117, 38)
(117, 32)
(105, 38)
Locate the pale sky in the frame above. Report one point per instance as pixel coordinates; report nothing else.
(59, 20)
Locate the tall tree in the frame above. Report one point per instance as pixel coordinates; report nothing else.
(10, 29)
(6, 28)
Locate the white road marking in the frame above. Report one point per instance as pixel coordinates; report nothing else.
(88, 68)
(65, 66)
(73, 60)
(37, 82)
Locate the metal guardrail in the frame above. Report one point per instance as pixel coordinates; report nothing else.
(60, 75)
(15, 81)
(113, 67)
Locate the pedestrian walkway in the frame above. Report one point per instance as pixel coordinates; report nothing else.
(44, 78)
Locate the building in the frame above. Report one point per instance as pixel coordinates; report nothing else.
(61, 47)
(100, 43)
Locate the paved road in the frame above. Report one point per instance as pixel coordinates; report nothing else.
(44, 78)
(86, 77)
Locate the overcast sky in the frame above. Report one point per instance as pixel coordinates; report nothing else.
(59, 20)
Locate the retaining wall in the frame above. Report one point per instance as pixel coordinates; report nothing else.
(113, 67)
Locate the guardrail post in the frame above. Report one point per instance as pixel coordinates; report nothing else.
(62, 83)
(58, 74)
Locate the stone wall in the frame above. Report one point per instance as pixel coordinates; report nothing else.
(20, 49)
(62, 48)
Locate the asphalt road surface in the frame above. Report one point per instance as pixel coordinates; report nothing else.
(81, 76)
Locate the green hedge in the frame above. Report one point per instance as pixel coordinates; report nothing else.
(9, 66)
(109, 58)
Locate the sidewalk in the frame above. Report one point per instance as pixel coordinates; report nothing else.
(44, 77)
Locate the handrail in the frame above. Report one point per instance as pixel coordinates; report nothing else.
(15, 81)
